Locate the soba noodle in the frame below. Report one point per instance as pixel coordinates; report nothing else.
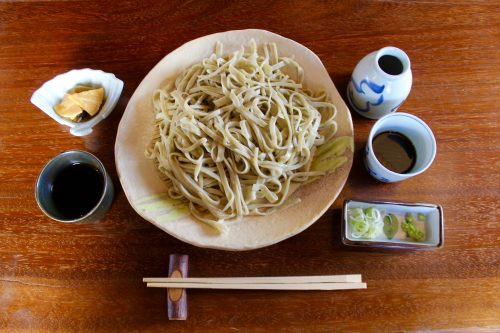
(233, 132)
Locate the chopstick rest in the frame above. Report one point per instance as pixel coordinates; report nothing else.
(176, 296)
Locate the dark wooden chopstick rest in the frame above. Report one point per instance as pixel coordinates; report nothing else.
(176, 297)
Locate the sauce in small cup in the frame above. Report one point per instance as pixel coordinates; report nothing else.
(408, 147)
(74, 187)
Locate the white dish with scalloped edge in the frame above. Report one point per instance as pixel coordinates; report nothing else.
(52, 92)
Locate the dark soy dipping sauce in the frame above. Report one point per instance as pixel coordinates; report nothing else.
(77, 189)
(395, 151)
(390, 64)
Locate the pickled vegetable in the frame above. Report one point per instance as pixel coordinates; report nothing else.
(80, 103)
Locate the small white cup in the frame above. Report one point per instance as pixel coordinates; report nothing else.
(414, 129)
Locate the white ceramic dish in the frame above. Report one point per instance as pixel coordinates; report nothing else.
(434, 226)
(52, 92)
(146, 192)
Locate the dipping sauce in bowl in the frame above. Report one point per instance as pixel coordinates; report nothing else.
(74, 187)
(395, 151)
(77, 189)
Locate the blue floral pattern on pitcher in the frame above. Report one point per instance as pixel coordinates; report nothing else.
(373, 89)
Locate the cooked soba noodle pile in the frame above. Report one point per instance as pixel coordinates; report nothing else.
(233, 132)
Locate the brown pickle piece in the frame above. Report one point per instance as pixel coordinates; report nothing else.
(81, 104)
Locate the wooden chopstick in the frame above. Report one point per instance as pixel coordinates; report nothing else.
(262, 280)
(262, 286)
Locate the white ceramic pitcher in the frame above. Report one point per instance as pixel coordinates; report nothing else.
(380, 83)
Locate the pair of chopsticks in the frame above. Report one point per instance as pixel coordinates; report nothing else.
(318, 282)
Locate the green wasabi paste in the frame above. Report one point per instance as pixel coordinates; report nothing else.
(411, 230)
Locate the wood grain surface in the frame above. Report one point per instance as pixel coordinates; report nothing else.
(57, 277)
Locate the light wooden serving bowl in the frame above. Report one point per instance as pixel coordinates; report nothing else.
(146, 191)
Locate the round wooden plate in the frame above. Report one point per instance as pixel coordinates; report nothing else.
(146, 192)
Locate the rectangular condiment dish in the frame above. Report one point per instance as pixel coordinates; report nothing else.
(434, 225)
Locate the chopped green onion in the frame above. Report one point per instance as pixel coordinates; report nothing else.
(421, 217)
(365, 223)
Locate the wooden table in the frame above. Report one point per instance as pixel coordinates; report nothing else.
(60, 277)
